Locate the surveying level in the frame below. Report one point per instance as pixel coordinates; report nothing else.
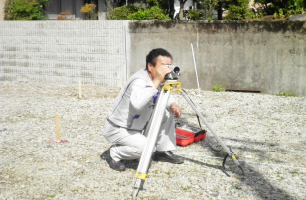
(154, 125)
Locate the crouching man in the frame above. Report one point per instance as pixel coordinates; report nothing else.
(131, 112)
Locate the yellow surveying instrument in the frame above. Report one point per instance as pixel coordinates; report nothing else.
(153, 128)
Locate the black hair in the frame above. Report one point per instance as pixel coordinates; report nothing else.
(154, 53)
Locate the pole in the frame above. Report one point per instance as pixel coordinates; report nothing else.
(195, 67)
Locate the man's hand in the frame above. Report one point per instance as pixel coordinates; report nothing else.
(176, 110)
(160, 72)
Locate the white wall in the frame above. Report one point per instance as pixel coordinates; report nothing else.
(63, 51)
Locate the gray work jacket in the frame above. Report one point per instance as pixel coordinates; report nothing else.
(134, 104)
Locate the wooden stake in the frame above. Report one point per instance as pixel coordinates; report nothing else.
(80, 89)
(58, 134)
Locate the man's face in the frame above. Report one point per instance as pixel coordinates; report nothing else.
(160, 61)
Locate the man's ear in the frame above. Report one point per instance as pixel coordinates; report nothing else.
(150, 66)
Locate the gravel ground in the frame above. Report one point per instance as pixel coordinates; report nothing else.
(266, 132)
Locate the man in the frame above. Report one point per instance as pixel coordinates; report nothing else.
(131, 111)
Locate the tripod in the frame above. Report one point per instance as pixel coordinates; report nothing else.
(153, 128)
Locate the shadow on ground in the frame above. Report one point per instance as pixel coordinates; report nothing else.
(252, 178)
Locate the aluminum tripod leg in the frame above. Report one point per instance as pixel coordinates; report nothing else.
(230, 153)
(152, 132)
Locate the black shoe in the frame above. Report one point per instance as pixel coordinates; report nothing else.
(118, 166)
(167, 156)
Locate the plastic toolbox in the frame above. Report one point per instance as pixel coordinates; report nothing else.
(184, 138)
(186, 135)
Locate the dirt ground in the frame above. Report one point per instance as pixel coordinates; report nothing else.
(266, 132)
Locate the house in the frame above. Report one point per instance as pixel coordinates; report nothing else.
(55, 7)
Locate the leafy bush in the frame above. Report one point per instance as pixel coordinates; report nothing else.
(195, 14)
(280, 9)
(209, 6)
(238, 10)
(218, 88)
(159, 3)
(166, 5)
(88, 10)
(24, 10)
(122, 13)
(149, 14)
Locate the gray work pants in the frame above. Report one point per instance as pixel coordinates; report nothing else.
(129, 144)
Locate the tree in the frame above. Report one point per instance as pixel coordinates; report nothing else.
(209, 6)
(111, 4)
(88, 10)
(182, 3)
(163, 4)
(238, 10)
(167, 5)
(281, 7)
(24, 10)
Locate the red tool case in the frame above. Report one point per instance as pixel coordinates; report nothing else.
(186, 135)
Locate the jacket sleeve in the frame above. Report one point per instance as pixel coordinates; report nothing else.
(141, 94)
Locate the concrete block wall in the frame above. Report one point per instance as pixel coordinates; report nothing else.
(265, 56)
(63, 52)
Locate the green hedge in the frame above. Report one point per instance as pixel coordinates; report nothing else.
(195, 14)
(122, 13)
(137, 13)
(149, 14)
(24, 10)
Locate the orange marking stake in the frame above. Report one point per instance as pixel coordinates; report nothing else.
(58, 134)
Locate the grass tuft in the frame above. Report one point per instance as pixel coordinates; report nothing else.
(218, 88)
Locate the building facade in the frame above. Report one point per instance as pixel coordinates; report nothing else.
(55, 7)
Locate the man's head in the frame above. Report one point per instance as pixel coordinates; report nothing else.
(157, 64)
(153, 54)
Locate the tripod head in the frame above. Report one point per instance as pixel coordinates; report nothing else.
(175, 72)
